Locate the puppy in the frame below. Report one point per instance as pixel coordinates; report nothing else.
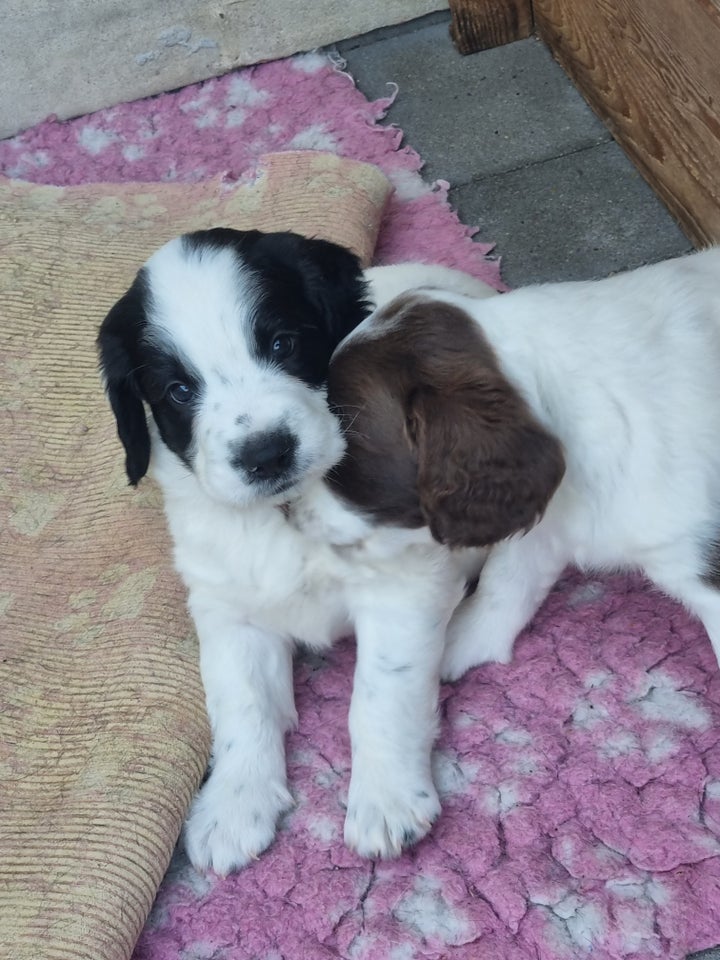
(573, 423)
(225, 338)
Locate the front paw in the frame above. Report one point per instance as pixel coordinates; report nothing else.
(468, 645)
(457, 659)
(387, 812)
(461, 657)
(231, 822)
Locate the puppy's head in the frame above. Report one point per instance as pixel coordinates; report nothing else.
(436, 434)
(226, 337)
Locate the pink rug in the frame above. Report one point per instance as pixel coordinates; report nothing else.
(224, 126)
(581, 783)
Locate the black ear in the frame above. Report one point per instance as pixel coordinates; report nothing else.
(117, 348)
(334, 282)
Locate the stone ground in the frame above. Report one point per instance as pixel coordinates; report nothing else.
(528, 161)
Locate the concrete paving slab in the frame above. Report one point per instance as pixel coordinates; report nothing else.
(399, 29)
(477, 115)
(575, 217)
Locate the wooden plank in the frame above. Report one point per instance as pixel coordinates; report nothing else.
(482, 24)
(651, 70)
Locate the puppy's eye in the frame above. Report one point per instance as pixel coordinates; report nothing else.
(180, 393)
(282, 346)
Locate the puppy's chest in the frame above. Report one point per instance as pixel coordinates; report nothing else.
(275, 577)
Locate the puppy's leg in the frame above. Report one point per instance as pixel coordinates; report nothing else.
(705, 604)
(515, 580)
(247, 674)
(392, 800)
(697, 592)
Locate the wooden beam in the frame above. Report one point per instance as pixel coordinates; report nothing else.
(649, 68)
(482, 24)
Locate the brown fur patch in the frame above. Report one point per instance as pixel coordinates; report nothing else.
(436, 433)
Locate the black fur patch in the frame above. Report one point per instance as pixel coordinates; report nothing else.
(711, 574)
(118, 345)
(312, 291)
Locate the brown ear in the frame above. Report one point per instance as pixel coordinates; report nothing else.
(486, 467)
(435, 433)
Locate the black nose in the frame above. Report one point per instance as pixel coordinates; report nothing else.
(267, 456)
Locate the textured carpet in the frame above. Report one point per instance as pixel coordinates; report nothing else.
(581, 783)
(103, 733)
(224, 126)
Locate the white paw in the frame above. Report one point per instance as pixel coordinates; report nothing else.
(461, 657)
(388, 812)
(231, 822)
(468, 646)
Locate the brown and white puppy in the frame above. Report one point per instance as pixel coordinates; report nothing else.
(572, 423)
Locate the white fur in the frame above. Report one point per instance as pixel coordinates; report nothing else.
(625, 372)
(257, 585)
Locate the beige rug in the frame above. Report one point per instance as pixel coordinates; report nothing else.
(103, 735)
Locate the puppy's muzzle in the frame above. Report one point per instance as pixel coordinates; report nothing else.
(267, 457)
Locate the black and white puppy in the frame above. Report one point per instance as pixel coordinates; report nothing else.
(226, 338)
